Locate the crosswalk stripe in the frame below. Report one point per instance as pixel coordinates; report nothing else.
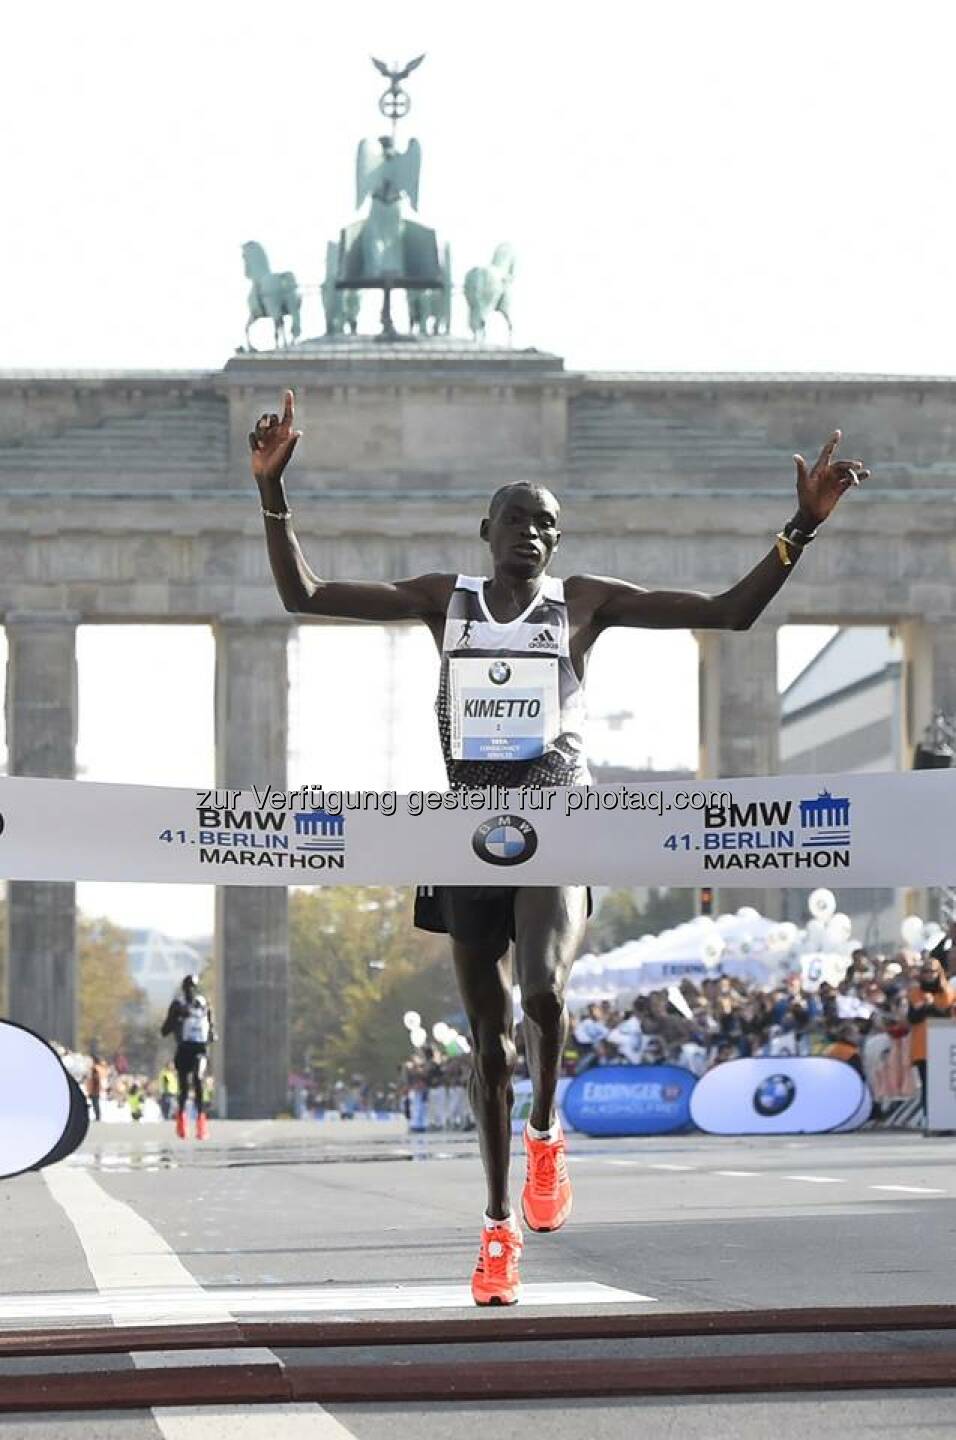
(162, 1305)
(123, 1251)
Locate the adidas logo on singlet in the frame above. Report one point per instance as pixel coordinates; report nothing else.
(544, 640)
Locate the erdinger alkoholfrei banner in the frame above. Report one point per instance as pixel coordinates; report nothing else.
(844, 830)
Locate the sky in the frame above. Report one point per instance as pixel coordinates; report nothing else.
(688, 187)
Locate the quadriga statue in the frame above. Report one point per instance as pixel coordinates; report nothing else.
(488, 291)
(272, 296)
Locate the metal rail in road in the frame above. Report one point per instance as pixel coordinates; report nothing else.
(281, 1380)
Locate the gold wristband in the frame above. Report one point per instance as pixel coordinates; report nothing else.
(784, 546)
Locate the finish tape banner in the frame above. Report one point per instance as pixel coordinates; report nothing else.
(846, 830)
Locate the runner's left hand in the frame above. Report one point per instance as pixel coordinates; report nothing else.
(819, 488)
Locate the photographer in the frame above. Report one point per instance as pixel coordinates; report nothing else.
(931, 998)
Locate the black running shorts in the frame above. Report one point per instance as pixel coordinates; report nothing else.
(473, 914)
(189, 1055)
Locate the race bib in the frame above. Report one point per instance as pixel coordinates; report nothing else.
(195, 1027)
(506, 709)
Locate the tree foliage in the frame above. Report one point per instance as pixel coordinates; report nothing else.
(621, 918)
(357, 964)
(108, 998)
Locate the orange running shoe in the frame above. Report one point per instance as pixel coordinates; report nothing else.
(546, 1198)
(202, 1127)
(495, 1280)
(181, 1130)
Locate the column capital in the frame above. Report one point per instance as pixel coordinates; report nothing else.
(49, 619)
(262, 623)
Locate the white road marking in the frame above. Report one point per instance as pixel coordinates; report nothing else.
(623, 1162)
(125, 1254)
(736, 1174)
(816, 1179)
(659, 1165)
(263, 1422)
(196, 1359)
(909, 1189)
(161, 1306)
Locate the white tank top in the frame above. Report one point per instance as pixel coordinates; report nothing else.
(510, 705)
(195, 1024)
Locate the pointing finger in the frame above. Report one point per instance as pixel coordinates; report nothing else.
(288, 408)
(827, 452)
(801, 465)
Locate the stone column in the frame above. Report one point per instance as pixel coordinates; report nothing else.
(740, 724)
(929, 686)
(252, 929)
(929, 678)
(41, 708)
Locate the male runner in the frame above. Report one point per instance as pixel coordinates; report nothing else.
(520, 627)
(189, 1018)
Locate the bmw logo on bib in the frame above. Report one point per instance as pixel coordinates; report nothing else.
(505, 840)
(774, 1095)
(499, 673)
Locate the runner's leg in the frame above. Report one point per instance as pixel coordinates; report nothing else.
(549, 927)
(198, 1077)
(484, 982)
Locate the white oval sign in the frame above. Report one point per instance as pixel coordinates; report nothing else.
(804, 1095)
(34, 1099)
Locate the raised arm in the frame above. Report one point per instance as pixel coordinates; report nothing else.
(819, 488)
(425, 597)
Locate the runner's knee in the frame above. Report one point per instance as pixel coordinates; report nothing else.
(495, 1060)
(544, 1005)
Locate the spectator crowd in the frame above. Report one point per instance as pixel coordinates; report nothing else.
(874, 1019)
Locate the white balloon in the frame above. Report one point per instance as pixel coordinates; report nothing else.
(411, 1020)
(441, 1031)
(839, 928)
(747, 912)
(931, 936)
(822, 904)
(912, 930)
(418, 1036)
(815, 932)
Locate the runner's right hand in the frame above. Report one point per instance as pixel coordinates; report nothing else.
(272, 443)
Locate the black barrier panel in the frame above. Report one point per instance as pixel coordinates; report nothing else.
(782, 1095)
(36, 1100)
(76, 1127)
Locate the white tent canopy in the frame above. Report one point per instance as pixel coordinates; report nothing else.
(745, 945)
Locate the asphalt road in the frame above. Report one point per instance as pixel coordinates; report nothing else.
(359, 1221)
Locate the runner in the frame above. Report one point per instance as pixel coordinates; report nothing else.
(523, 637)
(189, 1018)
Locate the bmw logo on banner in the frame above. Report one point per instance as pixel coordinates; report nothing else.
(774, 1095)
(505, 840)
(804, 1095)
